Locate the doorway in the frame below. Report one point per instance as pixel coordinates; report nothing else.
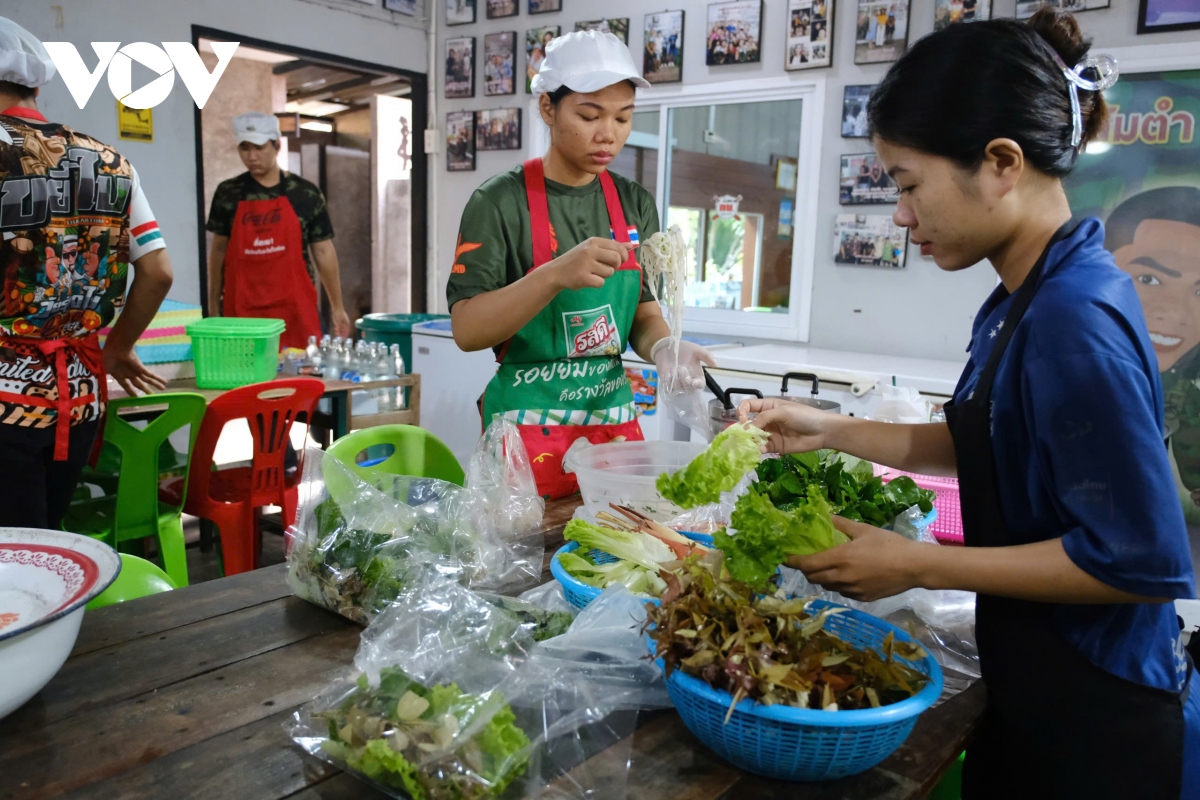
(352, 129)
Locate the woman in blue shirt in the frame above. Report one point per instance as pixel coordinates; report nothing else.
(1076, 541)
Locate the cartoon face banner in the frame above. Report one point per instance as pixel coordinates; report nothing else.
(1143, 180)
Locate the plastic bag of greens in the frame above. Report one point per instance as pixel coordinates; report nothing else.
(454, 701)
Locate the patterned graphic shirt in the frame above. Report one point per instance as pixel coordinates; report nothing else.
(72, 217)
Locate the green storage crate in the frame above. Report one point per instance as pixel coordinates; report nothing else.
(235, 351)
(395, 329)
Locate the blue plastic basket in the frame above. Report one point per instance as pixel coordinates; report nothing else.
(580, 594)
(800, 744)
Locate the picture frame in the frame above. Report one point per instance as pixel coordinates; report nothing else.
(854, 110)
(460, 12)
(618, 27)
(786, 172)
(1027, 8)
(406, 7)
(863, 181)
(734, 33)
(499, 9)
(869, 240)
(460, 67)
(808, 34)
(500, 63)
(544, 6)
(536, 40)
(460, 141)
(1155, 17)
(498, 129)
(662, 51)
(881, 30)
(949, 12)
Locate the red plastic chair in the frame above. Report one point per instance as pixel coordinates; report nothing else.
(231, 497)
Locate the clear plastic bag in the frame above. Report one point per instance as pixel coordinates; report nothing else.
(358, 542)
(492, 712)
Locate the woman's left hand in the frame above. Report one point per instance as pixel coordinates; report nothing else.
(874, 564)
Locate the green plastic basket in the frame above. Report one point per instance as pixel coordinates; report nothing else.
(235, 351)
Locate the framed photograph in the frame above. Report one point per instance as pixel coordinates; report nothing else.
(869, 241)
(1027, 8)
(786, 170)
(497, 9)
(809, 41)
(734, 33)
(854, 111)
(1161, 16)
(460, 141)
(662, 58)
(544, 6)
(460, 12)
(498, 129)
(460, 67)
(881, 34)
(948, 12)
(536, 40)
(407, 7)
(617, 27)
(864, 181)
(500, 63)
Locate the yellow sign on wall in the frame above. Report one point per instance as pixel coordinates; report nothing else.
(135, 123)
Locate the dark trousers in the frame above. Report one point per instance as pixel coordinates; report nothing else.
(36, 490)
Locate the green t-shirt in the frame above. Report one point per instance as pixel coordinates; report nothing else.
(495, 246)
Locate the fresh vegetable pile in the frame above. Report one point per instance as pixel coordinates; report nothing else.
(732, 453)
(541, 623)
(435, 743)
(769, 649)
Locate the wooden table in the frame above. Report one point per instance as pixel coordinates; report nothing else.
(184, 694)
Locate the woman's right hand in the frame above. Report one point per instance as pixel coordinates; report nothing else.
(794, 427)
(588, 264)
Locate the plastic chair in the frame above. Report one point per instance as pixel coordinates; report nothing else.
(138, 578)
(399, 450)
(138, 508)
(230, 497)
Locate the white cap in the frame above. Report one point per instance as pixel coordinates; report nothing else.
(586, 61)
(256, 128)
(23, 58)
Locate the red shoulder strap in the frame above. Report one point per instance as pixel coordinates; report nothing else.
(539, 212)
(616, 217)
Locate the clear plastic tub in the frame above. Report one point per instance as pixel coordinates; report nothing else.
(625, 472)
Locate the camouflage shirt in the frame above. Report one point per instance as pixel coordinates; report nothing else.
(306, 199)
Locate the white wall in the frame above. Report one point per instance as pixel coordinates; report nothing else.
(167, 166)
(919, 311)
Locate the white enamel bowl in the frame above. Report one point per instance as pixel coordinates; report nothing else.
(46, 578)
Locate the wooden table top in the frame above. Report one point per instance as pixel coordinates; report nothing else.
(184, 694)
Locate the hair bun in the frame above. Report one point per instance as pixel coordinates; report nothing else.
(1061, 31)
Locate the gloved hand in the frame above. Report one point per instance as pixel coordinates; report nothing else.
(685, 373)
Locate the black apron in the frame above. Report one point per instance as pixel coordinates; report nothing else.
(1056, 725)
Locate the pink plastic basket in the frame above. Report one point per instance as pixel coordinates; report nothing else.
(947, 528)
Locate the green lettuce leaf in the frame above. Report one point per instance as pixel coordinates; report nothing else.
(639, 548)
(734, 452)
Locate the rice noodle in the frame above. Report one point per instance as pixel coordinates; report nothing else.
(664, 258)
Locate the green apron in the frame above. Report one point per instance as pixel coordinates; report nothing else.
(560, 377)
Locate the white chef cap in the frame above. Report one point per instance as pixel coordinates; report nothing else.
(256, 127)
(586, 61)
(23, 58)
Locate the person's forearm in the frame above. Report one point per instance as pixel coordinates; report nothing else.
(927, 449)
(152, 280)
(1041, 572)
(494, 317)
(216, 277)
(330, 273)
(648, 327)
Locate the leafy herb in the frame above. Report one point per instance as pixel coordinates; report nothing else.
(638, 557)
(541, 623)
(732, 454)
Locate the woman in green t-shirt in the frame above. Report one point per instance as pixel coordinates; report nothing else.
(545, 271)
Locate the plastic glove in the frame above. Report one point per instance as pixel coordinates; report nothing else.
(685, 373)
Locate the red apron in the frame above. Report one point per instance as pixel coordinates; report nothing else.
(265, 275)
(57, 350)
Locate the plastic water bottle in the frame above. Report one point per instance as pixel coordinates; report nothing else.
(382, 371)
(399, 394)
(346, 362)
(326, 347)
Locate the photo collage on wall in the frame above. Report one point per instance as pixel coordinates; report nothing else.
(948, 12)
(500, 63)
(536, 40)
(854, 111)
(662, 58)
(460, 141)
(869, 241)
(734, 33)
(809, 34)
(864, 182)
(881, 32)
(498, 129)
(460, 67)
(617, 27)
(1027, 8)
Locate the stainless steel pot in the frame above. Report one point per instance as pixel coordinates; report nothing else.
(813, 400)
(724, 412)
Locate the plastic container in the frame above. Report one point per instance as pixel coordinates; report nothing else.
(580, 594)
(801, 744)
(394, 329)
(235, 351)
(625, 473)
(947, 526)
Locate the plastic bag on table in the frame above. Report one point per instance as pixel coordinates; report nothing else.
(549, 597)
(906, 524)
(712, 517)
(682, 397)
(455, 701)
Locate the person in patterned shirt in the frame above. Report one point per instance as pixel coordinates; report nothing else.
(64, 262)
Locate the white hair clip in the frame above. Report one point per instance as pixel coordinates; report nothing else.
(1106, 70)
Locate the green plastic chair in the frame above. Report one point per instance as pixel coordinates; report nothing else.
(136, 510)
(138, 578)
(397, 450)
